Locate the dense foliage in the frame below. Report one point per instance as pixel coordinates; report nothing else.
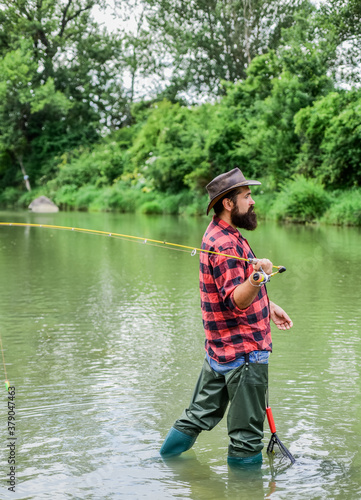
(275, 106)
(55, 66)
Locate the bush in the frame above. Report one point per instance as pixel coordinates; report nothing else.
(330, 131)
(197, 207)
(85, 196)
(9, 196)
(25, 198)
(173, 204)
(169, 146)
(263, 204)
(264, 196)
(151, 208)
(117, 198)
(301, 200)
(99, 165)
(346, 209)
(65, 196)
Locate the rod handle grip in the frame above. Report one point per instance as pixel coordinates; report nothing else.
(271, 421)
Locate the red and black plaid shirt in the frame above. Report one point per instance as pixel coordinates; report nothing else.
(230, 331)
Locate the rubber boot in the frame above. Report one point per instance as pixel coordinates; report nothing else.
(245, 461)
(176, 442)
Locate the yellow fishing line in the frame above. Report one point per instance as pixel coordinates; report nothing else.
(124, 236)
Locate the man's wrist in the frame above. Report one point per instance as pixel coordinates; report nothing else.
(258, 278)
(258, 282)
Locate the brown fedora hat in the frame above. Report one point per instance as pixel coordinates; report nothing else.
(226, 182)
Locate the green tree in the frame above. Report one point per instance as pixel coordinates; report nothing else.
(170, 145)
(138, 49)
(214, 40)
(339, 23)
(330, 132)
(19, 101)
(67, 57)
(279, 84)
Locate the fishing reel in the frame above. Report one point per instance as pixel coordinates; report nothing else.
(261, 277)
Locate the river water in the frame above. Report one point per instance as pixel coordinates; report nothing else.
(103, 342)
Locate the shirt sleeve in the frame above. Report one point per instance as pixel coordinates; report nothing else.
(228, 273)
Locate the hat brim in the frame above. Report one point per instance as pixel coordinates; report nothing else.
(220, 195)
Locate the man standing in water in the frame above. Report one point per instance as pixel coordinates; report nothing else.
(236, 315)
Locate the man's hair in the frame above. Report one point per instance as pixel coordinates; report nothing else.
(232, 195)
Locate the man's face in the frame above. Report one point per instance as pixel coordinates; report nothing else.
(242, 213)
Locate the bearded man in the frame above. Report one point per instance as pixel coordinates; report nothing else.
(236, 316)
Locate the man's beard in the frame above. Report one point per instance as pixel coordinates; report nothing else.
(244, 221)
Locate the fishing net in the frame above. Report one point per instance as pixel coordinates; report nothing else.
(275, 440)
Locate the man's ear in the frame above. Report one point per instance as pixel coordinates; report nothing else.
(227, 204)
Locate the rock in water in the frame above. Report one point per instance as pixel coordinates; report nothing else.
(43, 205)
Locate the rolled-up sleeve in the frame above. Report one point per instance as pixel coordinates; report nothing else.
(228, 273)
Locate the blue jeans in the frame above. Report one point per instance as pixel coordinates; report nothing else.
(254, 357)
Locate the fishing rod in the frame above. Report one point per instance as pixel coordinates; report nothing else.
(262, 275)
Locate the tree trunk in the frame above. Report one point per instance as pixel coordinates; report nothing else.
(26, 177)
(247, 12)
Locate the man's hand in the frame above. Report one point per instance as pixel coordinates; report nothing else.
(264, 263)
(279, 317)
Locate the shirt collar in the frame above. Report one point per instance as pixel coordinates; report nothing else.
(223, 224)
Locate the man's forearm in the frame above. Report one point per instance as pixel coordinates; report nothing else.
(246, 292)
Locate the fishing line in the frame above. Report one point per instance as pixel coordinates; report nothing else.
(128, 237)
(149, 244)
(7, 383)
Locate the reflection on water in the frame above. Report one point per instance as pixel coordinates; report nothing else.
(103, 341)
